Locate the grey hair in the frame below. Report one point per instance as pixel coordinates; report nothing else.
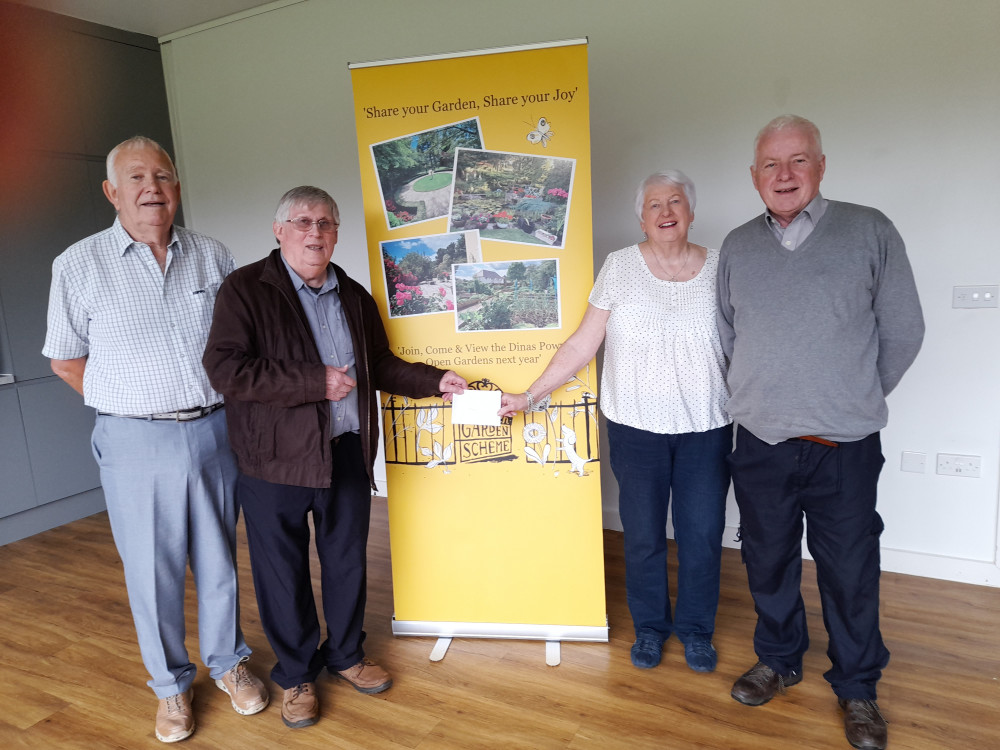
(135, 142)
(666, 177)
(783, 122)
(305, 195)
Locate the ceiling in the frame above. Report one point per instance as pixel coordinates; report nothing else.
(152, 17)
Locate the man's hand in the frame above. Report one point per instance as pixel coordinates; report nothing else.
(71, 371)
(338, 384)
(451, 383)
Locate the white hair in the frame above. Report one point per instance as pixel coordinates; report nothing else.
(305, 195)
(666, 177)
(783, 122)
(135, 142)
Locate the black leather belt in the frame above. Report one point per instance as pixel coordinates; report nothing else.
(184, 415)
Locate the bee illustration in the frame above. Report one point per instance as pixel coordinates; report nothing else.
(541, 134)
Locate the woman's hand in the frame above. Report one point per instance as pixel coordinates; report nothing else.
(512, 403)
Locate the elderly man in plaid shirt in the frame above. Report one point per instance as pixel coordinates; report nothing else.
(129, 313)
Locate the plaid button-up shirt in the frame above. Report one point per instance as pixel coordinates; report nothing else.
(142, 330)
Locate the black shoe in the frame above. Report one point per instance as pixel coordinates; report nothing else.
(864, 725)
(759, 685)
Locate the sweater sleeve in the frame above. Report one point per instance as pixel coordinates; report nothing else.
(234, 363)
(898, 316)
(725, 313)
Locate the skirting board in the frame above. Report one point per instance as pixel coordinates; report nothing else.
(908, 562)
(429, 629)
(48, 516)
(978, 572)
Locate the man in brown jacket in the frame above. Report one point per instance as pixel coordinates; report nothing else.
(298, 350)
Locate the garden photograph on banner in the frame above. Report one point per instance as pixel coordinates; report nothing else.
(475, 171)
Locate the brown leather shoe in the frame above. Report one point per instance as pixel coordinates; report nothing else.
(367, 677)
(247, 693)
(174, 718)
(864, 724)
(300, 706)
(757, 686)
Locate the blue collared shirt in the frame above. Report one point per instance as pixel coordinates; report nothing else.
(333, 341)
(801, 226)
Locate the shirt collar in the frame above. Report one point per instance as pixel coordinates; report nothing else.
(297, 282)
(123, 240)
(814, 211)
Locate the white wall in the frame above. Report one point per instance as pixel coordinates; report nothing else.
(906, 93)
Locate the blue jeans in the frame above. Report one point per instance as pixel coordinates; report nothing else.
(650, 469)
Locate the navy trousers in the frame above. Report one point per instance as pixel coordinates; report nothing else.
(834, 489)
(278, 534)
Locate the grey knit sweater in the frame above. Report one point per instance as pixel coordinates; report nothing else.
(818, 336)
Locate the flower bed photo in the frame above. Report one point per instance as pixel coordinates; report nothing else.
(507, 295)
(511, 197)
(418, 271)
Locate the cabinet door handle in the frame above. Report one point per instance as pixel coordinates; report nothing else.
(6, 378)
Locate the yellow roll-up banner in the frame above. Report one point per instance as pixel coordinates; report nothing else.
(475, 169)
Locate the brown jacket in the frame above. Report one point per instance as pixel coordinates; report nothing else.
(261, 356)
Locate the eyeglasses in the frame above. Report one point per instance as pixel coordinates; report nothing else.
(304, 225)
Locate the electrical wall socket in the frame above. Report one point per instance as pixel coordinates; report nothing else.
(974, 296)
(958, 466)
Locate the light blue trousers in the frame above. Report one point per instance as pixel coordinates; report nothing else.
(169, 488)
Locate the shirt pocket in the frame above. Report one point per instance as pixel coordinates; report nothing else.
(202, 304)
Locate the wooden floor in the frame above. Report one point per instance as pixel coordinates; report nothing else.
(71, 677)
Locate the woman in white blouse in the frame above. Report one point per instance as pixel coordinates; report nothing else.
(663, 392)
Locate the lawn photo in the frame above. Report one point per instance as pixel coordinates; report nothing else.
(507, 295)
(418, 271)
(416, 171)
(510, 197)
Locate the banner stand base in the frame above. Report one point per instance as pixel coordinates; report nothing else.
(440, 649)
(553, 635)
(553, 651)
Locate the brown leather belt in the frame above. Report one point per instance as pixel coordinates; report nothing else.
(814, 439)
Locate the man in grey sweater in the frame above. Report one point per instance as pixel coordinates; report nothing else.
(819, 317)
